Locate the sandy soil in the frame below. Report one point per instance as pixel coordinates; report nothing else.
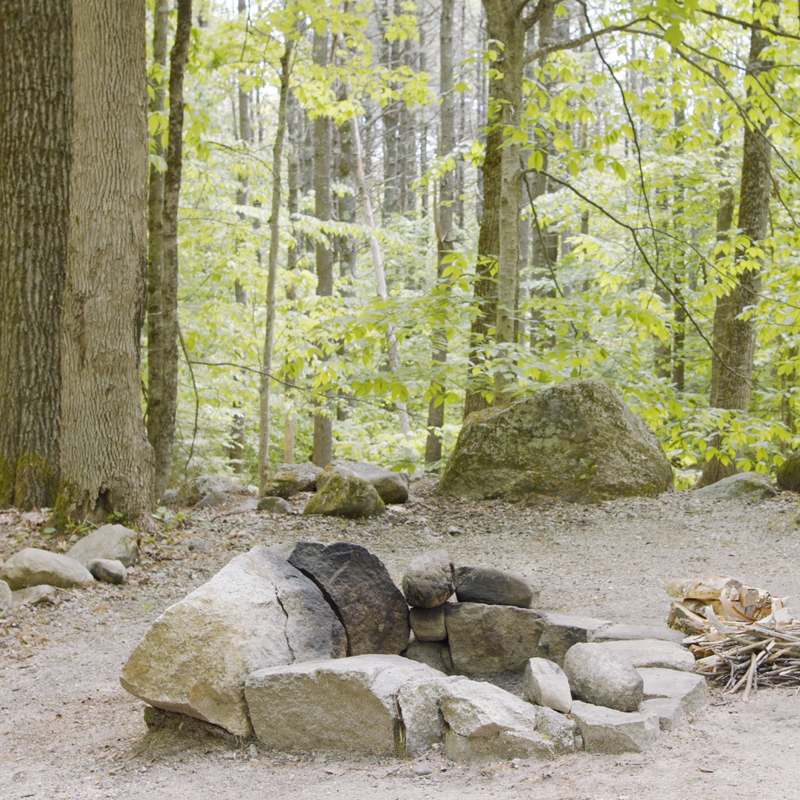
(67, 729)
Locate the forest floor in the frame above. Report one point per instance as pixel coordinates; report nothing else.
(68, 730)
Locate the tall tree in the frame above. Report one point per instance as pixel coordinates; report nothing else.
(737, 333)
(106, 460)
(35, 147)
(323, 423)
(444, 219)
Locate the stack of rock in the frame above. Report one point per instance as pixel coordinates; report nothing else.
(470, 636)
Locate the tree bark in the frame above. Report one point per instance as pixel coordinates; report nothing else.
(444, 222)
(155, 242)
(323, 423)
(106, 460)
(272, 275)
(738, 336)
(35, 147)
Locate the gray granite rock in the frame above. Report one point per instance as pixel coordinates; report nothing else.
(275, 505)
(687, 688)
(605, 730)
(428, 624)
(357, 584)
(346, 496)
(644, 653)
(36, 595)
(108, 571)
(197, 544)
(212, 500)
(429, 580)
(494, 587)
(35, 567)
(349, 704)
(545, 684)
(484, 639)
(666, 710)
(561, 631)
(197, 488)
(434, 654)
(744, 486)
(6, 600)
(112, 542)
(597, 677)
(289, 479)
(391, 486)
(257, 611)
(620, 633)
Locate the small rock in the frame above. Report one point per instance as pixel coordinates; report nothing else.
(429, 580)
(196, 489)
(289, 479)
(252, 750)
(275, 505)
(666, 710)
(170, 497)
(434, 654)
(605, 730)
(212, 500)
(744, 486)
(6, 600)
(36, 595)
(250, 504)
(108, 571)
(346, 496)
(545, 684)
(113, 542)
(35, 567)
(494, 587)
(564, 630)
(197, 544)
(421, 769)
(453, 531)
(597, 677)
(428, 624)
(644, 653)
(687, 688)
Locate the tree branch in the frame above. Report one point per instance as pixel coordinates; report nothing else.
(581, 40)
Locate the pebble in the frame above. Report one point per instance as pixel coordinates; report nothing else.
(421, 769)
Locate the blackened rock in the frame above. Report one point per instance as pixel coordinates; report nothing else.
(493, 586)
(429, 580)
(108, 571)
(357, 585)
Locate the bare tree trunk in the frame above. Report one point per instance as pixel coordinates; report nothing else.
(155, 242)
(380, 281)
(169, 290)
(739, 335)
(444, 219)
(323, 423)
(36, 81)
(106, 460)
(272, 273)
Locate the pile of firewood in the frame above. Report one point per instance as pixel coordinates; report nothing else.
(742, 637)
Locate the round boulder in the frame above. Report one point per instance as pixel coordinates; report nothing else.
(429, 580)
(600, 678)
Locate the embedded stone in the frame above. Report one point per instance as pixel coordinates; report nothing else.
(545, 684)
(494, 587)
(428, 624)
(429, 580)
(605, 730)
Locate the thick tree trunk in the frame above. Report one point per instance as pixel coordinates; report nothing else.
(163, 447)
(155, 243)
(738, 337)
(272, 276)
(444, 219)
(35, 146)
(323, 422)
(106, 460)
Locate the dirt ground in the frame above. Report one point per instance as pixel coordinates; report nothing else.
(67, 729)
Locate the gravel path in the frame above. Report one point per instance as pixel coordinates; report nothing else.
(67, 729)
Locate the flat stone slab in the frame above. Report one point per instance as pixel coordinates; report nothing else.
(561, 631)
(605, 730)
(623, 633)
(487, 638)
(666, 710)
(646, 653)
(686, 687)
(346, 704)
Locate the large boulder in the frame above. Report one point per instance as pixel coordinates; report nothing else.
(597, 677)
(194, 490)
(788, 475)
(258, 611)
(357, 584)
(289, 479)
(111, 542)
(486, 639)
(744, 486)
(494, 587)
(346, 496)
(577, 441)
(348, 704)
(429, 580)
(391, 486)
(35, 567)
